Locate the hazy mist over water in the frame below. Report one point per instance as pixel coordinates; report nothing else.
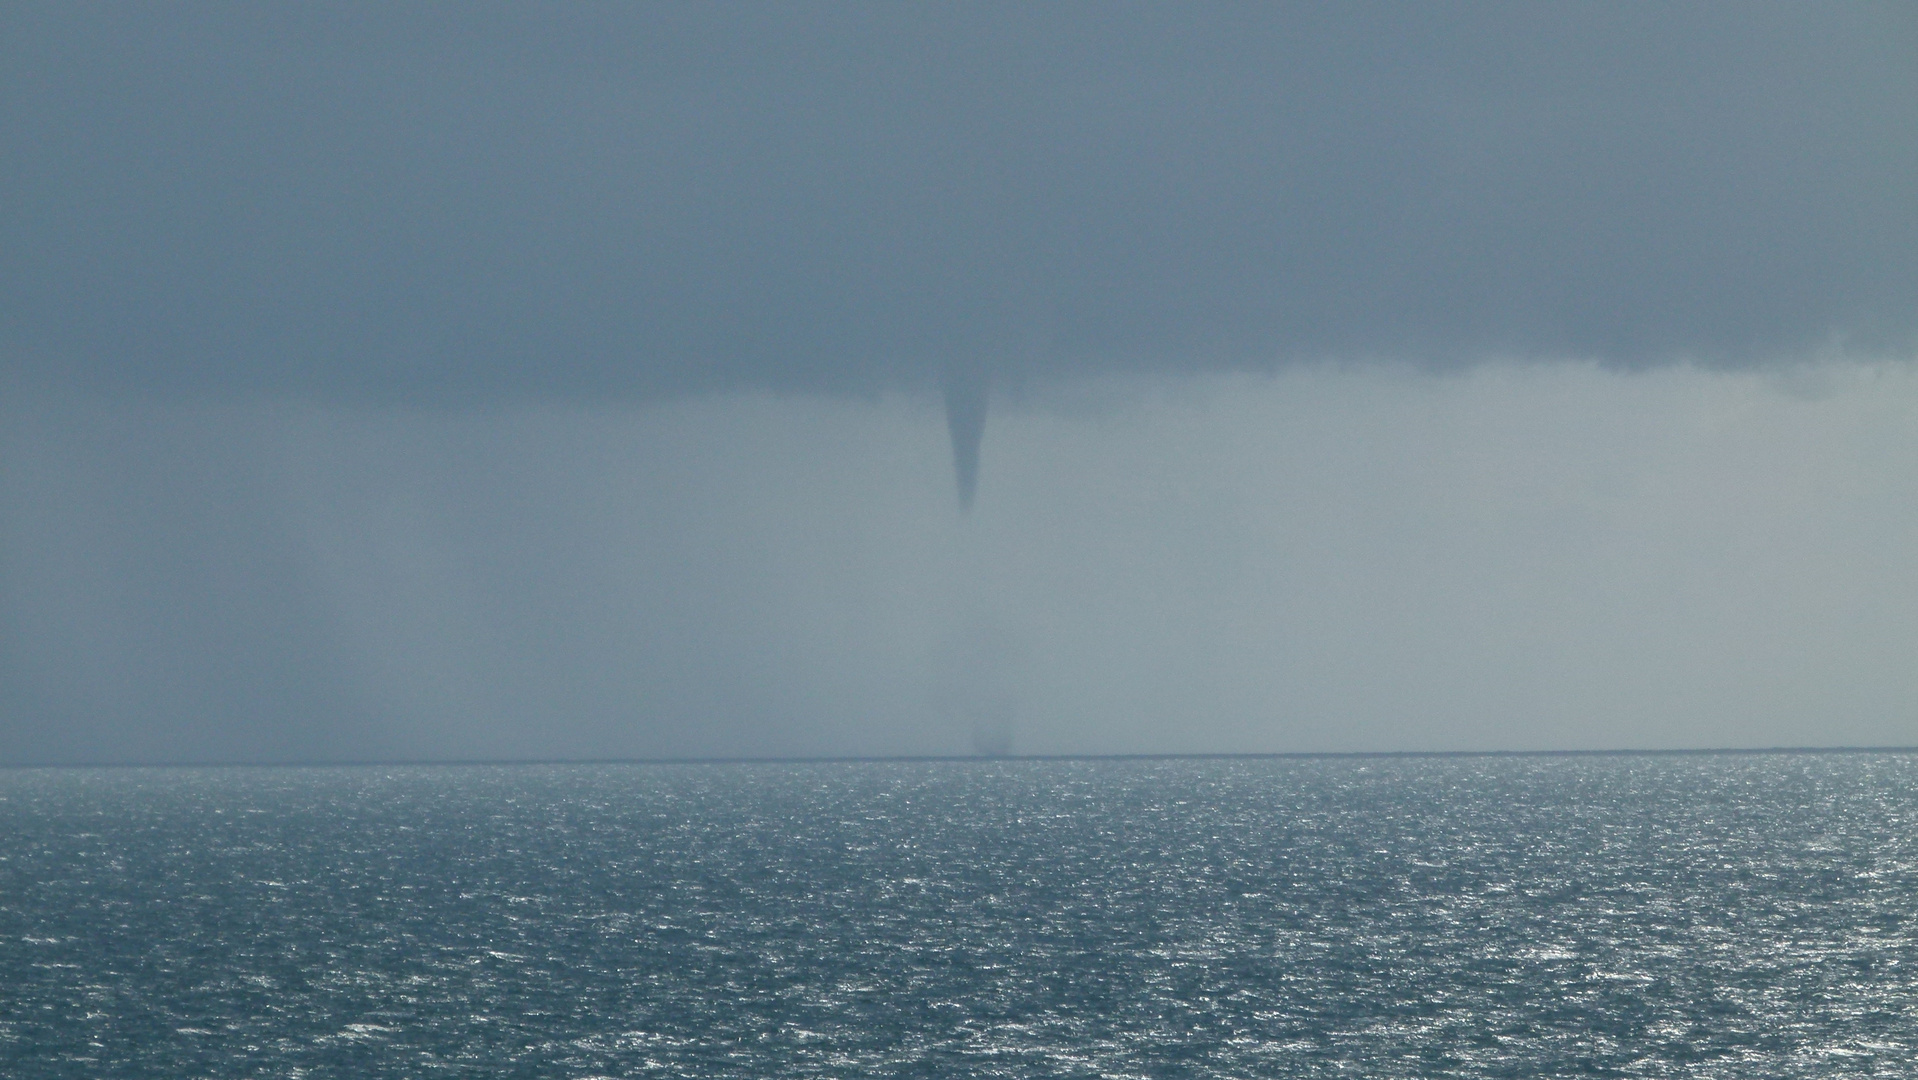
(1699, 916)
(1521, 557)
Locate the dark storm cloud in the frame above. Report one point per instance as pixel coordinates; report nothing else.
(451, 203)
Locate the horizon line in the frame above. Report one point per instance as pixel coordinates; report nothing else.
(880, 759)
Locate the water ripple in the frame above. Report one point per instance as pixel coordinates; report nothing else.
(1700, 916)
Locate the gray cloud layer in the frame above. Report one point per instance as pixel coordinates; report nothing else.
(450, 203)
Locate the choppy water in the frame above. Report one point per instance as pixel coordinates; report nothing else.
(1648, 916)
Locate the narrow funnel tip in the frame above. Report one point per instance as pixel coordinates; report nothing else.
(966, 420)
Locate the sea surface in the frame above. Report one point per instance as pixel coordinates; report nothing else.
(1698, 916)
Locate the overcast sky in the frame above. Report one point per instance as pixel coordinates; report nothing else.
(462, 381)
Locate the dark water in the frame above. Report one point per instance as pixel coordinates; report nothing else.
(1649, 916)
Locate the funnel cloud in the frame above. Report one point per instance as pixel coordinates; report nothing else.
(966, 423)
